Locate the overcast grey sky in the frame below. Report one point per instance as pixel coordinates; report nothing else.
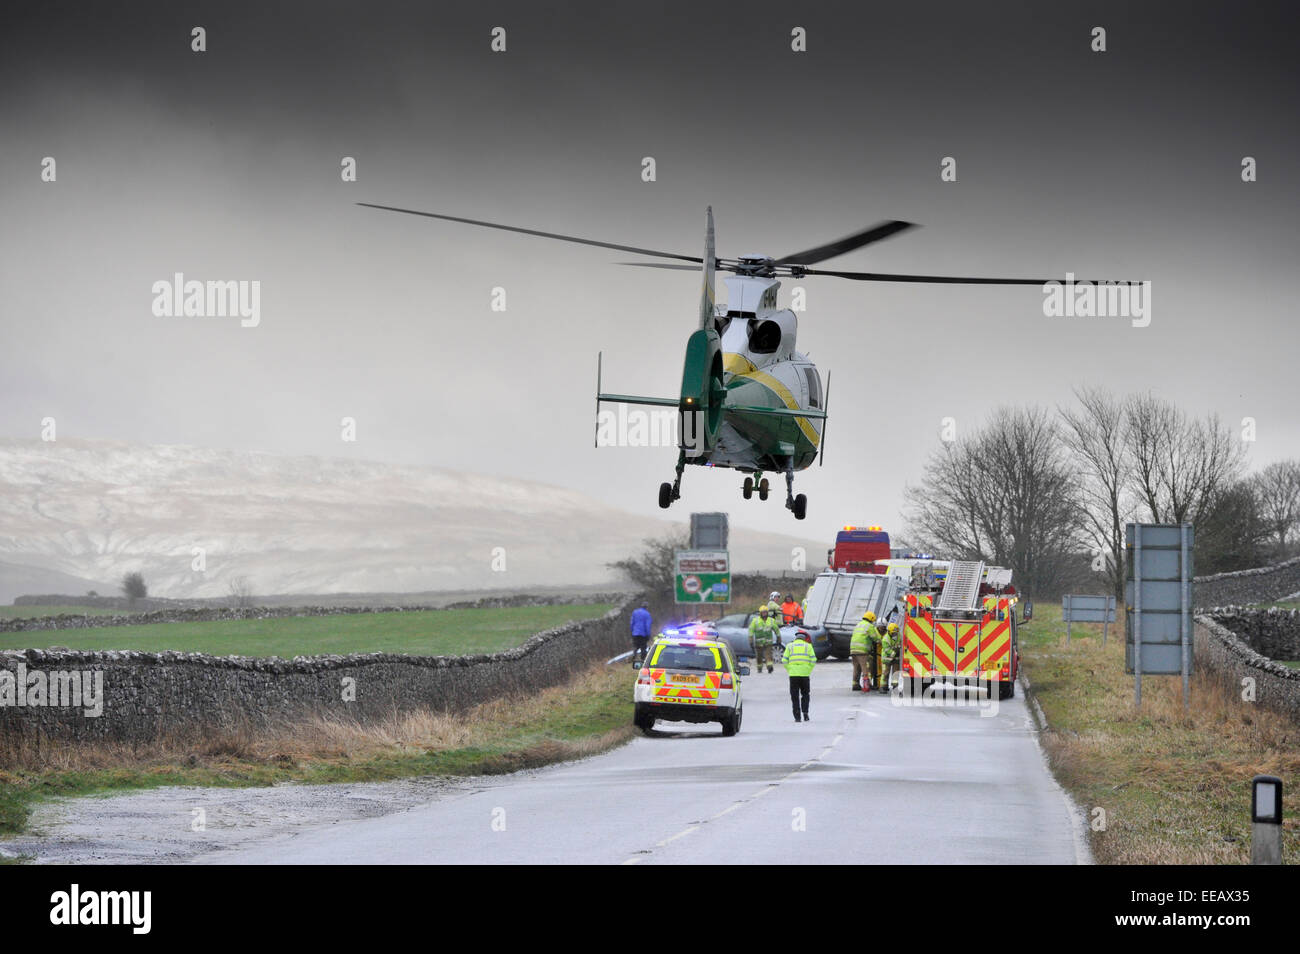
(225, 165)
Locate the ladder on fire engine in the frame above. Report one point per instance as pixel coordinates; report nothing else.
(962, 587)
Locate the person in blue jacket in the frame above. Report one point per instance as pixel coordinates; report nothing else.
(642, 626)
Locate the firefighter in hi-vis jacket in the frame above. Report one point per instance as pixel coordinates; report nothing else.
(888, 656)
(859, 644)
(762, 633)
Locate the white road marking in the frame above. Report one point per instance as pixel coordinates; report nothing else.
(680, 834)
(746, 800)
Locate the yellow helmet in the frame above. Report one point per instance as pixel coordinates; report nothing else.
(893, 627)
(869, 616)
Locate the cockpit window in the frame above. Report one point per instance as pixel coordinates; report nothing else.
(814, 386)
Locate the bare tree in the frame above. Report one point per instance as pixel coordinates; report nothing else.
(133, 587)
(241, 592)
(652, 570)
(1277, 490)
(1231, 533)
(1004, 495)
(1179, 464)
(1096, 434)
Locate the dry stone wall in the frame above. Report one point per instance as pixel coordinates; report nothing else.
(1247, 646)
(1265, 584)
(149, 695)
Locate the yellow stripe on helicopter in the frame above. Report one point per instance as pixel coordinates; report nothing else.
(742, 367)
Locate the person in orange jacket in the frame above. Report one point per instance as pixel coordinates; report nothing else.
(791, 612)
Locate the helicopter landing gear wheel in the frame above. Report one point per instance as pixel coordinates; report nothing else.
(670, 492)
(762, 489)
(747, 488)
(798, 505)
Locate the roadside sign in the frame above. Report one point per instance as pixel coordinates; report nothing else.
(709, 531)
(1088, 609)
(1158, 598)
(702, 576)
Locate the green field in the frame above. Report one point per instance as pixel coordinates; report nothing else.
(421, 633)
(31, 612)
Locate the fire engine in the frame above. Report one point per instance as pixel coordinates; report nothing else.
(965, 631)
(858, 548)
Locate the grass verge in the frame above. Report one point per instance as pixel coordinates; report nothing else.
(588, 715)
(1174, 785)
(420, 633)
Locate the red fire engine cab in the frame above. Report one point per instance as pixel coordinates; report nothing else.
(857, 549)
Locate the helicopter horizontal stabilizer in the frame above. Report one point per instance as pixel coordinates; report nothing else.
(635, 399)
(602, 397)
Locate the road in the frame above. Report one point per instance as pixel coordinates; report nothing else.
(867, 780)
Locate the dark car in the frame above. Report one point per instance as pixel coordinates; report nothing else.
(735, 630)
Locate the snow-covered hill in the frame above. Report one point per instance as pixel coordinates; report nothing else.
(94, 510)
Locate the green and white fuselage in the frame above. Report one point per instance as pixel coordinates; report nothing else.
(763, 373)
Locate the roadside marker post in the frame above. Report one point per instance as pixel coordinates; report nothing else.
(1266, 820)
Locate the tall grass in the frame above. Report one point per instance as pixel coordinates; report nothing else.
(1173, 783)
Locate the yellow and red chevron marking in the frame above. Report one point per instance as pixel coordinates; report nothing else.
(685, 692)
(995, 646)
(918, 638)
(945, 646)
(707, 691)
(918, 646)
(996, 606)
(968, 644)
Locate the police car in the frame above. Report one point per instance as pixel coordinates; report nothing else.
(688, 679)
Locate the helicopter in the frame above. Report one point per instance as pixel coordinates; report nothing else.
(749, 400)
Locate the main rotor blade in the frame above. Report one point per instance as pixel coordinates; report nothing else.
(847, 244)
(678, 268)
(948, 279)
(550, 235)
